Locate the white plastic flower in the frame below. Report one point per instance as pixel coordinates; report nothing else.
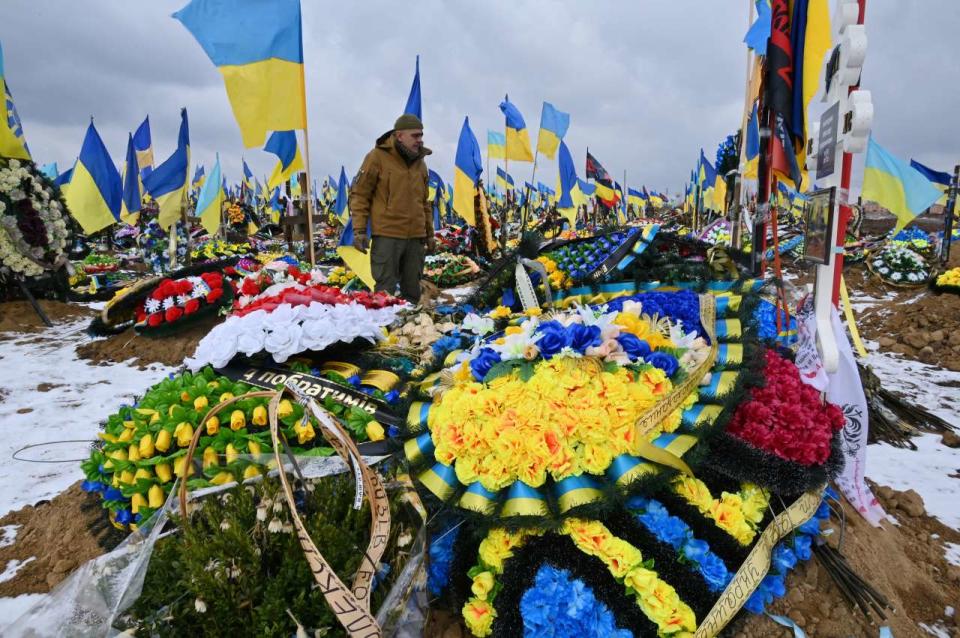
(477, 325)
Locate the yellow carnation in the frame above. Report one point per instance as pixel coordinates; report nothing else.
(478, 616)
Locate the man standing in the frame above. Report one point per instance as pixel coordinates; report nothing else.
(391, 192)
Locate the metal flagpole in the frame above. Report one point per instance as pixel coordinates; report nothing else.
(948, 216)
(306, 161)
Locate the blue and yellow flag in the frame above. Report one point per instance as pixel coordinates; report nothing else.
(283, 144)
(167, 184)
(50, 170)
(505, 180)
(636, 198)
(466, 172)
(939, 179)
(210, 201)
(341, 206)
(247, 175)
(258, 48)
(414, 105)
(198, 177)
(130, 202)
(95, 193)
(355, 260)
(897, 186)
(63, 180)
(517, 136)
(143, 145)
(12, 142)
(569, 184)
(496, 145)
(752, 148)
(553, 126)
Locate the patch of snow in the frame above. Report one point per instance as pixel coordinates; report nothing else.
(937, 630)
(925, 470)
(952, 551)
(8, 535)
(11, 608)
(79, 396)
(13, 566)
(936, 389)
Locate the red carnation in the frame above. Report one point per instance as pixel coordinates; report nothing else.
(172, 314)
(155, 319)
(249, 287)
(214, 295)
(191, 306)
(184, 287)
(213, 279)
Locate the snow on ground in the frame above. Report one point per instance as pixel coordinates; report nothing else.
(953, 553)
(12, 608)
(8, 535)
(51, 395)
(13, 566)
(936, 389)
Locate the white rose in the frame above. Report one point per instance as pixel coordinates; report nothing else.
(284, 342)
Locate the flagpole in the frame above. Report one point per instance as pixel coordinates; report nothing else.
(306, 160)
(948, 216)
(533, 177)
(626, 200)
(505, 215)
(739, 191)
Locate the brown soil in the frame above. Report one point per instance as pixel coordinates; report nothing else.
(19, 316)
(169, 350)
(905, 563)
(61, 534)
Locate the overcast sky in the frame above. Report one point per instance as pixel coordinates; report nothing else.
(646, 83)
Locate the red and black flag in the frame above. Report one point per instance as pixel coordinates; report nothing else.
(596, 171)
(780, 93)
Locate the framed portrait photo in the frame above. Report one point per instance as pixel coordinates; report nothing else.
(818, 226)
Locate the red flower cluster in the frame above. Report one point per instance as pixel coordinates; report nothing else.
(318, 294)
(174, 287)
(786, 417)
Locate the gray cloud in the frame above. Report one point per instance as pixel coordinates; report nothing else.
(647, 84)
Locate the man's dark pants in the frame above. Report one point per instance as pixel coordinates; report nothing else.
(397, 261)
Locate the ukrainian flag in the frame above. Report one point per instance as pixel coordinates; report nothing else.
(466, 171)
(12, 142)
(939, 179)
(95, 188)
(553, 126)
(143, 145)
(636, 198)
(517, 137)
(258, 48)
(210, 200)
(505, 180)
(752, 148)
(283, 144)
(496, 145)
(168, 182)
(414, 102)
(355, 260)
(247, 175)
(341, 207)
(569, 185)
(897, 186)
(275, 206)
(130, 202)
(50, 170)
(197, 180)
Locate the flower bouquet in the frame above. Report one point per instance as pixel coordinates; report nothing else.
(216, 249)
(447, 270)
(33, 230)
(341, 276)
(717, 233)
(948, 281)
(95, 264)
(914, 238)
(899, 266)
(284, 311)
(175, 303)
(584, 259)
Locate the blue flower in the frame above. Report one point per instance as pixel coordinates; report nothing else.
(811, 527)
(112, 494)
(391, 397)
(441, 556)
(480, 365)
(802, 546)
(783, 559)
(444, 346)
(92, 486)
(672, 531)
(558, 605)
(695, 549)
(635, 347)
(124, 517)
(715, 572)
(393, 431)
(666, 362)
(354, 380)
(553, 338)
(583, 337)
(823, 512)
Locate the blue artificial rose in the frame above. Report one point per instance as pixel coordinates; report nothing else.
(553, 338)
(754, 604)
(354, 380)
(124, 517)
(92, 486)
(823, 512)
(481, 364)
(583, 337)
(666, 362)
(714, 572)
(635, 347)
(811, 527)
(672, 531)
(391, 397)
(695, 549)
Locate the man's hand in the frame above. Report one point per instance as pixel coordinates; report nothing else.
(431, 243)
(360, 242)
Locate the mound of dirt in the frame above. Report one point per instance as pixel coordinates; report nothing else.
(56, 537)
(905, 563)
(19, 316)
(169, 350)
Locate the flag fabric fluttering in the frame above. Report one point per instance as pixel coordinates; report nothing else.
(602, 181)
(414, 105)
(436, 187)
(568, 183)
(505, 180)
(143, 145)
(95, 193)
(283, 144)
(50, 170)
(810, 42)
(752, 148)
(759, 31)
(636, 198)
(341, 206)
(496, 145)
(210, 201)
(466, 173)
(12, 142)
(517, 135)
(247, 175)
(198, 177)
(167, 183)
(258, 49)
(553, 126)
(780, 87)
(939, 179)
(896, 185)
(63, 180)
(130, 202)
(355, 260)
